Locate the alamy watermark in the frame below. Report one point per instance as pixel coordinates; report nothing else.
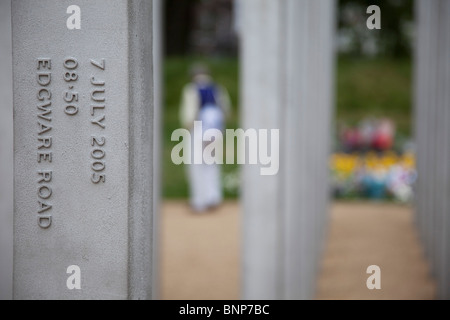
(74, 280)
(206, 147)
(374, 21)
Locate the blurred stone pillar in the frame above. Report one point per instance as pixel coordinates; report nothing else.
(158, 64)
(6, 153)
(287, 56)
(432, 121)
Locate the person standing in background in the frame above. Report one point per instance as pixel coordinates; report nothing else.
(205, 101)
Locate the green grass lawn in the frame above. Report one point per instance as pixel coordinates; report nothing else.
(365, 87)
(377, 88)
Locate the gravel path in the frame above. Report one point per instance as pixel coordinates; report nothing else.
(364, 234)
(200, 257)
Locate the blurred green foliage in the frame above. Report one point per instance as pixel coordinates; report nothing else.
(395, 37)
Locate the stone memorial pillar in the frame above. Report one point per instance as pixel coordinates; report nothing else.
(6, 153)
(432, 121)
(83, 147)
(287, 84)
(157, 120)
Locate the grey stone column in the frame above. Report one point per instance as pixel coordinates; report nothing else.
(6, 153)
(83, 147)
(432, 121)
(287, 84)
(158, 64)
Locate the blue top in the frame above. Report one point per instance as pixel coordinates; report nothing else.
(207, 95)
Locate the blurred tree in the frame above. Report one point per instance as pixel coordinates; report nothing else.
(199, 27)
(394, 38)
(178, 23)
(214, 32)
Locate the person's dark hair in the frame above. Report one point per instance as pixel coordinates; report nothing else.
(198, 69)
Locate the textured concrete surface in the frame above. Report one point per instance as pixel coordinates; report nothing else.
(6, 153)
(201, 253)
(90, 172)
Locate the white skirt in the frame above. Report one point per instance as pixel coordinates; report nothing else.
(204, 182)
